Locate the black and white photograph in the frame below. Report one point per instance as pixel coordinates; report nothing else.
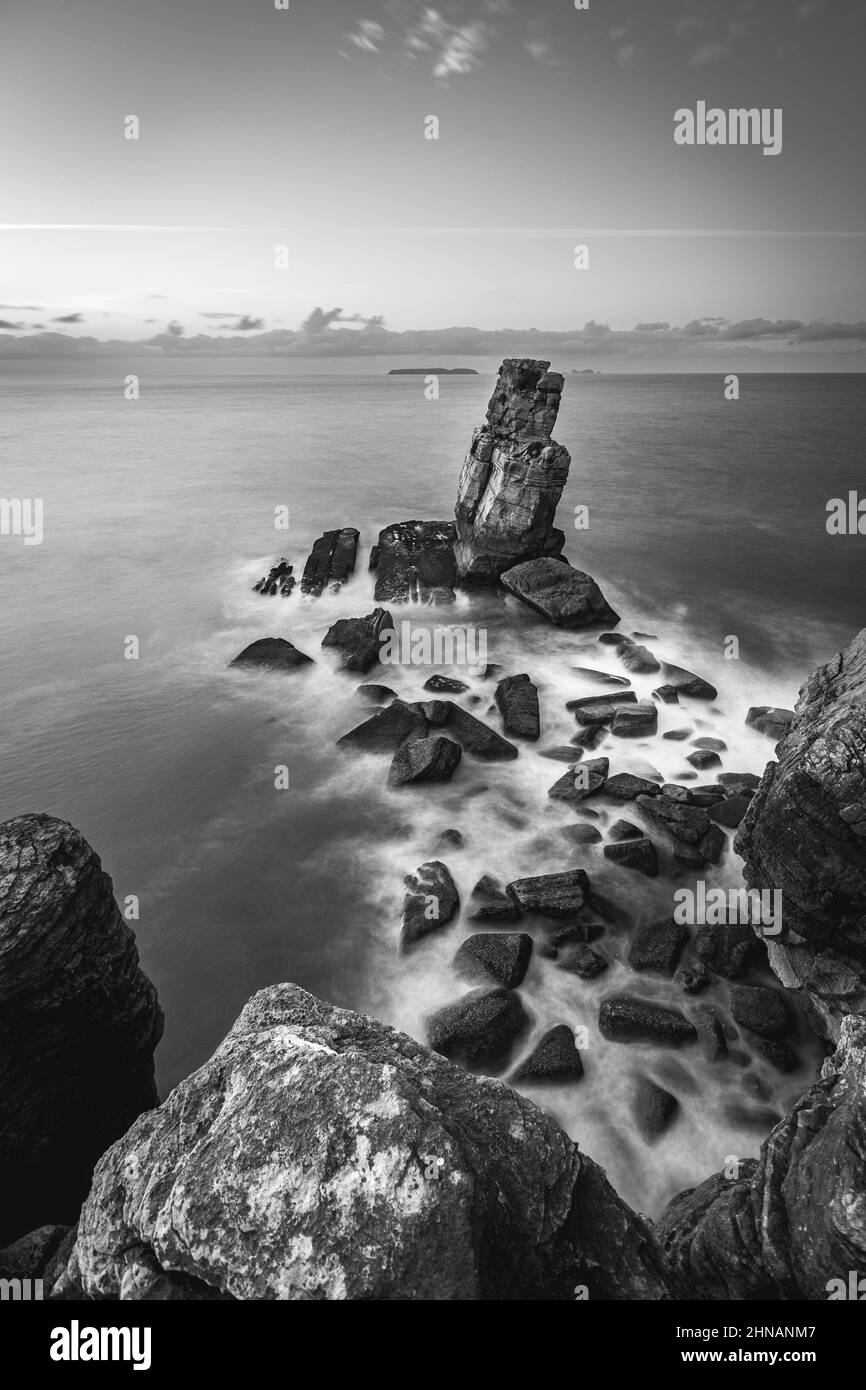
(433, 698)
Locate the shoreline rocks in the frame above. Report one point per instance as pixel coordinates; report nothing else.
(331, 561)
(415, 563)
(565, 596)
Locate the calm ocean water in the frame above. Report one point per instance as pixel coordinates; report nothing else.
(707, 519)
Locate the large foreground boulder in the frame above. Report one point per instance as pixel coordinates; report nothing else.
(79, 1022)
(805, 835)
(791, 1225)
(513, 475)
(322, 1155)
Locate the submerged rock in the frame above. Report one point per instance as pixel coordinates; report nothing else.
(431, 901)
(331, 560)
(78, 1025)
(517, 700)
(513, 475)
(271, 654)
(322, 1155)
(416, 563)
(563, 595)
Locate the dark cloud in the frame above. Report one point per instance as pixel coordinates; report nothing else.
(69, 318)
(4, 323)
(650, 327)
(175, 329)
(321, 319)
(245, 324)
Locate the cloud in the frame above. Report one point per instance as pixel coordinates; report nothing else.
(650, 327)
(321, 319)
(369, 36)
(175, 329)
(246, 324)
(34, 308)
(4, 323)
(706, 53)
(69, 318)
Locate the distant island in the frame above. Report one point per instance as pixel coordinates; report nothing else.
(584, 371)
(432, 371)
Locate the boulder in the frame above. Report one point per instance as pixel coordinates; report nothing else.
(517, 700)
(729, 812)
(624, 1019)
(321, 1155)
(638, 854)
(476, 738)
(600, 709)
(445, 685)
(431, 901)
(565, 596)
(688, 824)
(79, 1022)
(502, 955)
(551, 895)
(589, 673)
(805, 835)
(271, 654)
(385, 731)
(359, 640)
(554, 1058)
(639, 660)
(768, 720)
(432, 759)
(581, 781)
(331, 560)
(416, 563)
(624, 830)
(761, 1010)
(376, 694)
(625, 787)
(668, 695)
(727, 948)
(490, 903)
(513, 475)
(635, 721)
(480, 1029)
(704, 757)
(687, 683)
(653, 1109)
(658, 947)
(580, 959)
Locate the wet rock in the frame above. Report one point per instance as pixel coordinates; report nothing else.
(432, 759)
(504, 956)
(677, 734)
(321, 1155)
(704, 757)
(693, 978)
(768, 720)
(480, 1029)
(590, 737)
(599, 709)
(376, 694)
(271, 654)
(581, 960)
(581, 834)
(678, 793)
(580, 782)
(658, 947)
(78, 1025)
(436, 712)
(761, 1010)
(476, 738)
(635, 854)
(639, 660)
(688, 824)
(446, 685)
(653, 1109)
(600, 677)
(625, 787)
(490, 903)
(709, 849)
(717, 745)
(331, 560)
(780, 1055)
(517, 700)
(451, 838)
(687, 683)
(624, 830)
(625, 1019)
(416, 563)
(739, 783)
(277, 580)
(669, 695)
(635, 721)
(711, 1035)
(565, 753)
(513, 475)
(727, 948)
(565, 596)
(554, 1058)
(359, 640)
(431, 901)
(805, 835)
(385, 731)
(551, 895)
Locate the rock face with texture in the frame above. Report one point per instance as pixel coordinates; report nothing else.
(792, 1222)
(431, 901)
(805, 834)
(517, 700)
(513, 475)
(424, 760)
(79, 1022)
(271, 654)
(331, 560)
(359, 640)
(322, 1155)
(415, 562)
(563, 595)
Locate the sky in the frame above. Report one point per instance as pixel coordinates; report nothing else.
(305, 128)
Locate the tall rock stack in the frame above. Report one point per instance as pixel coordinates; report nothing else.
(513, 475)
(79, 1022)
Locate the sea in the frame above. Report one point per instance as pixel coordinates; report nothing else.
(703, 520)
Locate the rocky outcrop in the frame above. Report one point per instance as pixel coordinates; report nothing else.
(79, 1022)
(331, 561)
(415, 563)
(279, 579)
(789, 1226)
(513, 475)
(359, 640)
(563, 595)
(517, 701)
(804, 834)
(271, 654)
(322, 1155)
